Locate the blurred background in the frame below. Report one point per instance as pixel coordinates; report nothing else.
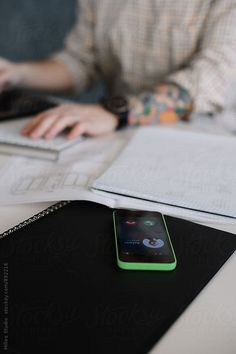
(34, 29)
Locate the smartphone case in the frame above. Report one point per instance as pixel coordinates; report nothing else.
(66, 291)
(142, 265)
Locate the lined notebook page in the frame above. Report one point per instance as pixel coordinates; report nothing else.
(186, 169)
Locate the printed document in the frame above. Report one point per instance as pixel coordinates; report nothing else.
(29, 180)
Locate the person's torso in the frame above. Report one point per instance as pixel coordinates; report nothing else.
(140, 42)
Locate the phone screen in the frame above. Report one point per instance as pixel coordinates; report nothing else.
(142, 237)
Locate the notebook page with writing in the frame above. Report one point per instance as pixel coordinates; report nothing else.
(186, 169)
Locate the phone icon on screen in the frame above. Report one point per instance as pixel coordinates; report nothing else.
(149, 222)
(130, 222)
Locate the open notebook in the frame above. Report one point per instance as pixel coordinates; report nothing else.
(12, 142)
(189, 170)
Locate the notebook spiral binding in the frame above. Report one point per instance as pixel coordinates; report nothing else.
(35, 217)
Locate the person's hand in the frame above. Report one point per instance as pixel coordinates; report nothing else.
(10, 74)
(81, 119)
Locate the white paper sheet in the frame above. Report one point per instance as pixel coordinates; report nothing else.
(190, 170)
(123, 202)
(27, 180)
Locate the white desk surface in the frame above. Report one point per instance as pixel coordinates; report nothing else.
(207, 326)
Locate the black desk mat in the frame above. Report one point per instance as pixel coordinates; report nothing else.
(67, 293)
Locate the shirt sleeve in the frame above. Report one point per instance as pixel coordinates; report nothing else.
(208, 76)
(78, 52)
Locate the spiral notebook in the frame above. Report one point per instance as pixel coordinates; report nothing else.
(67, 292)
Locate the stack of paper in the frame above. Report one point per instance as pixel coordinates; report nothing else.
(175, 171)
(178, 172)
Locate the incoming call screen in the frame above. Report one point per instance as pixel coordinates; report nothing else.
(142, 237)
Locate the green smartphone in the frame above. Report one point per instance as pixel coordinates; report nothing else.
(142, 241)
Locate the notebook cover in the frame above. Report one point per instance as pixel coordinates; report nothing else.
(67, 293)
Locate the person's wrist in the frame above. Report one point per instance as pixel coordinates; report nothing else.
(113, 117)
(119, 108)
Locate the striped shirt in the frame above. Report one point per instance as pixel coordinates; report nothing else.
(132, 45)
